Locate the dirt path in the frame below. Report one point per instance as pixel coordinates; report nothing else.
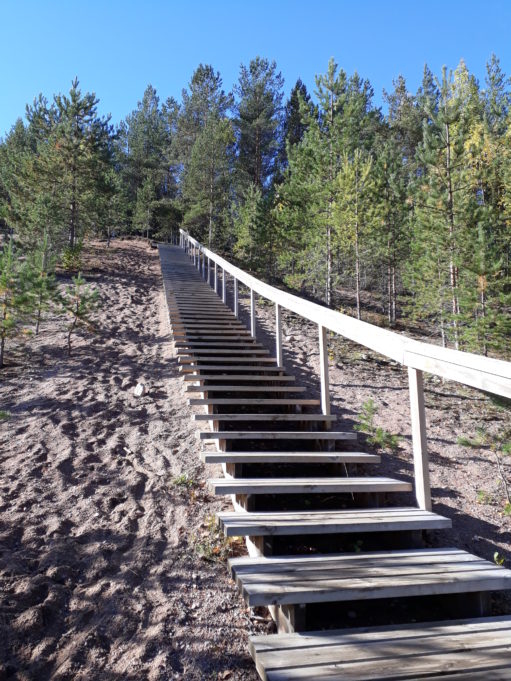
(103, 511)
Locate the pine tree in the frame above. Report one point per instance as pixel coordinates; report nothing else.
(355, 211)
(41, 284)
(14, 298)
(258, 122)
(206, 187)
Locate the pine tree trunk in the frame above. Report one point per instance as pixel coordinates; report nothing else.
(357, 253)
(393, 295)
(452, 246)
(72, 230)
(210, 227)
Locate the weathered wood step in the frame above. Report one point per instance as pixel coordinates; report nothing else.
(307, 485)
(246, 388)
(365, 576)
(232, 354)
(275, 435)
(468, 650)
(234, 360)
(240, 344)
(238, 377)
(315, 418)
(213, 456)
(229, 367)
(262, 402)
(273, 523)
(204, 339)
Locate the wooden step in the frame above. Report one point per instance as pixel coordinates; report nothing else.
(307, 485)
(238, 377)
(229, 367)
(272, 523)
(231, 418)
(365, 576)
(219, 333)
(246, 388)
(262, 402)
(213, 456)
(203, 338)
(234, 360)
(275, 435)
(204, 352)
(474, 649)
(219, 344)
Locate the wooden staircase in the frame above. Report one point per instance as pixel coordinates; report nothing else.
(295, 483)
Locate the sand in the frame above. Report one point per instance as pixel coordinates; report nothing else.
(103, 508)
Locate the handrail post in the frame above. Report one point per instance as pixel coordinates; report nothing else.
(419, 439)
(216, 278)
(278, 333)
(323, 369)
(209, 271)
(236, 304)
(224, 285)
(252, 314)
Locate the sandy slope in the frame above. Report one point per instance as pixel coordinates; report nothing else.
(99, 574)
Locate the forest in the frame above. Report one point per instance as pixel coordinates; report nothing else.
(400, 216)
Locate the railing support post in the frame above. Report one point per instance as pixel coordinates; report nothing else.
(419, 439)
(323, 370)
(278, 333)
(224, 286)
(252, 314)
(209, 271)
(236, 303)
(216, 278)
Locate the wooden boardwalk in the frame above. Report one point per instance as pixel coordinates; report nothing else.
(296, 483)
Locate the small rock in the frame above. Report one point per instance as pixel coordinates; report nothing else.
(139, 390)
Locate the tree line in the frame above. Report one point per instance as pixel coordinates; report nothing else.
(404, 213)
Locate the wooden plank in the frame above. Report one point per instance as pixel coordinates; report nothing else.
(204, 352)
(419, 439)
(259, 402)
(230, 367)
(265, 417)
(306, 485)
(234, 360)
(276, 435)
(273, 523)
(239, 377)
(211, 456)
(246, 388)
(461, 649)
(368, 576)
(216, 344)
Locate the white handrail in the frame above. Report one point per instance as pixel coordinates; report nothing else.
(484, 373)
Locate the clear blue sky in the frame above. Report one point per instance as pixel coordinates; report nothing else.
(117, 47)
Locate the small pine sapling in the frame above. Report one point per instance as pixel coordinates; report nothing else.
(78, 301)
(42, 282)
(376, 435)
(14, 299)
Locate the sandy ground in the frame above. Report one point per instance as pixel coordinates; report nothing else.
(109, 566)
(103, 512)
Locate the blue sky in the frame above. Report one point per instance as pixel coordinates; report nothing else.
(116, 48)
